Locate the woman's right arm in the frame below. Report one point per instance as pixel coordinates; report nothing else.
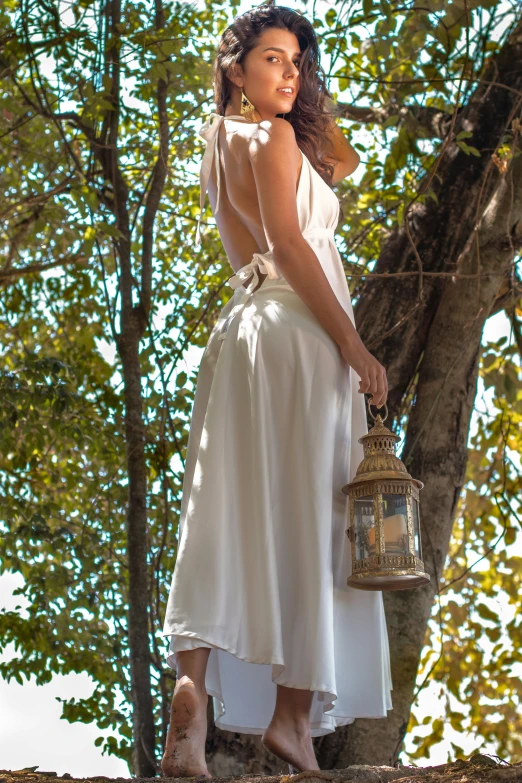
(274, 155)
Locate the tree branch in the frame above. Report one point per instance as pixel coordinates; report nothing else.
(9, 275)
(157, 184)
(508, 296)
(37, 199)
(434, 121)
(516, 325)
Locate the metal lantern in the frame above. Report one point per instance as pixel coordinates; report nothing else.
(384, 517)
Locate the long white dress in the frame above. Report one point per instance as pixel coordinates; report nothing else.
(263, 555)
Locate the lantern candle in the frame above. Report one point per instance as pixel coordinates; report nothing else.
(395, 528)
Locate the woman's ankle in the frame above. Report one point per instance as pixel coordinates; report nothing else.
(198, 688)
(300, 725)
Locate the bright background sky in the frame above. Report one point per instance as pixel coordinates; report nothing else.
(31, 732)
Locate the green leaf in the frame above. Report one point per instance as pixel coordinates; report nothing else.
(467, 149)
(330, 17)
(393, 119)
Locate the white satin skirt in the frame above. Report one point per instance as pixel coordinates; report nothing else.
(263, 555)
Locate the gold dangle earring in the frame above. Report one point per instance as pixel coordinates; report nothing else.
(247, 108)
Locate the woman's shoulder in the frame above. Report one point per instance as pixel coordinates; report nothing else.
(261, 141)
(270, 137)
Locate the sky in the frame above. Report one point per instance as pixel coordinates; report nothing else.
(31, 731)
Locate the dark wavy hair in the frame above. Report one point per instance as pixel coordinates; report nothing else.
(313, 107)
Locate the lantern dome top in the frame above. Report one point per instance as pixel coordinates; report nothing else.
(380, 460)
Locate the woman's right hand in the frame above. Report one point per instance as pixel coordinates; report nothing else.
(371, 372)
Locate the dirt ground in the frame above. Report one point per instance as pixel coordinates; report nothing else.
(477, 769)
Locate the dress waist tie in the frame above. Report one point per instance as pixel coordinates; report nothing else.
(263, 263)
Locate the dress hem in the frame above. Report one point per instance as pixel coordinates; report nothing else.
(317, 728)
(212, 645)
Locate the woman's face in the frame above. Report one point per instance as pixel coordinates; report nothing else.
(272, 65)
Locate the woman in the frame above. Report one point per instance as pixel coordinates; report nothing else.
(260, 615)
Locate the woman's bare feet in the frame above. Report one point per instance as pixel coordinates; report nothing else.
(185, 747)
(290, 742)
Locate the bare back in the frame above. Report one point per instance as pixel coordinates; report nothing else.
(237, 214)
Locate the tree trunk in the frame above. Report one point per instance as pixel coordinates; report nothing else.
(435, 451)
(144, 762)
(133, 321)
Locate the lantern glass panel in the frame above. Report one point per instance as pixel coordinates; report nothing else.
(416, 528)
(364, 527)
(395, 524)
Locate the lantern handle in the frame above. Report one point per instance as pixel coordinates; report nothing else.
(383, 418)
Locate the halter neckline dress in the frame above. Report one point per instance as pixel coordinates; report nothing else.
(263, 555)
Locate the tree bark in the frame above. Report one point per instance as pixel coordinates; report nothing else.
(478, 769)
(144, 762)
